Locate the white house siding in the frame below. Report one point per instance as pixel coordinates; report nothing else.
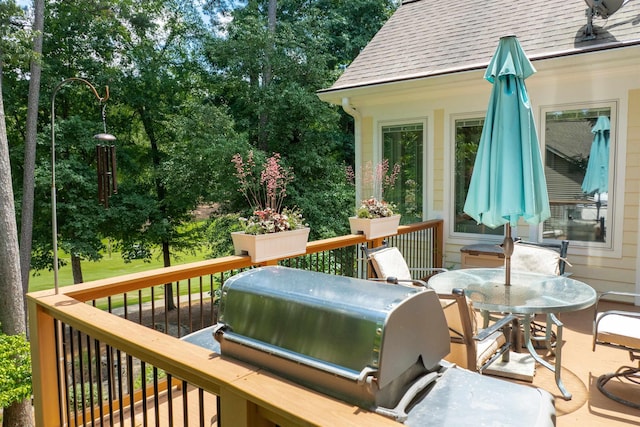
(612, 75)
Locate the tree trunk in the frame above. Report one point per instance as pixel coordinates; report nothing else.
(18, 415)
(26, 227)
(168, 287)
(161, 192)
(76, 269)
(267, 73)
(12, 313)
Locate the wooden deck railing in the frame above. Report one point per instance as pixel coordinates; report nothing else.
(106, 352)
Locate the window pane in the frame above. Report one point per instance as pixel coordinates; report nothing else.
(403, 144)
(468, 132)
(578, 205)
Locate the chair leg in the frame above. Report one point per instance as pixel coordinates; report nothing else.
(629, 373)
(543, 336)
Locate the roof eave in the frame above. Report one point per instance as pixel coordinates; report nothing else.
(325, 93)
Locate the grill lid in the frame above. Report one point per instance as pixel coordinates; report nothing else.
(346, 325)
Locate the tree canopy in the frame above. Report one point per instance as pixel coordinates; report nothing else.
(191, 84)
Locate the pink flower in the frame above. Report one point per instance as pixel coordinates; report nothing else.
(265, 190)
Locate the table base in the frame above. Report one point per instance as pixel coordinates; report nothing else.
(521, 366)
(556, 367)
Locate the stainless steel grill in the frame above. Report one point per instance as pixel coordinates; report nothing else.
(375, 345)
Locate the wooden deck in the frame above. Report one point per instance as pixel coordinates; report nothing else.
(581, 368)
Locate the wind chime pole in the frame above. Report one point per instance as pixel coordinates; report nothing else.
(102, 136)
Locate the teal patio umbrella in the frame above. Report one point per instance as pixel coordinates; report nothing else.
(596, 178)
(508, 181)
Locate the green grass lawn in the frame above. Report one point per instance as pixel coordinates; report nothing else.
(111, 265)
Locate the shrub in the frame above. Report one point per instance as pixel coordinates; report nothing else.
(15, 369)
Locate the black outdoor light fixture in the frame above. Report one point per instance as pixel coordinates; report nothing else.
(106, 164)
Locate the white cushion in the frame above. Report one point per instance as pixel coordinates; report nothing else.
(535, 259)
(619, 329)
(488, 347)
(389, 262)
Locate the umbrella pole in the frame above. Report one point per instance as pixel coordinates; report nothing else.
(507, 248)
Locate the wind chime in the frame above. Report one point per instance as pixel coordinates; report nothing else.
(106, 159)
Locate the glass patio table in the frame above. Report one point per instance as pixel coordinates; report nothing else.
(528, 294)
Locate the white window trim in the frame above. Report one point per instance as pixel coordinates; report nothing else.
(457, 237)
(613, 246)
(427, 172)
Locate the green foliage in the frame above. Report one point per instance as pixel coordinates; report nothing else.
(15, 37)
(327, 200)
(15, 369)
(185, 95)
(218, 234)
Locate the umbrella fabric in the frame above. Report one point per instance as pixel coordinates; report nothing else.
(596, 179)
(508, 180)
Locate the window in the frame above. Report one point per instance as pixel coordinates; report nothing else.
(403, 144)
(467, 134)
(578, 163)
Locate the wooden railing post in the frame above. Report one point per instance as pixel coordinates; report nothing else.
(236, 411)
(46, 387)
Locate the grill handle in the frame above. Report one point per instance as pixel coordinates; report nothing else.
(221, 334)
(399, 413)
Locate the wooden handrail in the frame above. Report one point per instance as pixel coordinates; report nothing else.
(132, 282)
(248, 392)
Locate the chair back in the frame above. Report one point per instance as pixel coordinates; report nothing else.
(544, 258)
(462, 324)
(388, 262)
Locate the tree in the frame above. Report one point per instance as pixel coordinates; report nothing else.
(12, 312)
(28, 180)
(268, 70)
(251, 77)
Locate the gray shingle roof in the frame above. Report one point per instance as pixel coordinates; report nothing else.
(426, 38)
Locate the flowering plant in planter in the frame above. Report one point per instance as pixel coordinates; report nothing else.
(378, 179)
(265, 188)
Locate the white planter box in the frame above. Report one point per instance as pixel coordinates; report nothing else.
(375, 227)
(264, 247)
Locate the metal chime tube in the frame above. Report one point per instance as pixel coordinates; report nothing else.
(107, 180)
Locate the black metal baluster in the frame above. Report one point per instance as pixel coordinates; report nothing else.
(81, 369)
(120, 394)
(178, 334)
(73, 391)
(110, 382)
(99, 379)
(131, 391)
(185, 405)
(92, 385)
(143, 373)
(170, 397)
(190, 325)
(201, 406)
(156, 392)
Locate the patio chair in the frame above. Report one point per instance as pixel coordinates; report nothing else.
(544, 258)
(471, 348)
(619, 329)
(388, 264)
